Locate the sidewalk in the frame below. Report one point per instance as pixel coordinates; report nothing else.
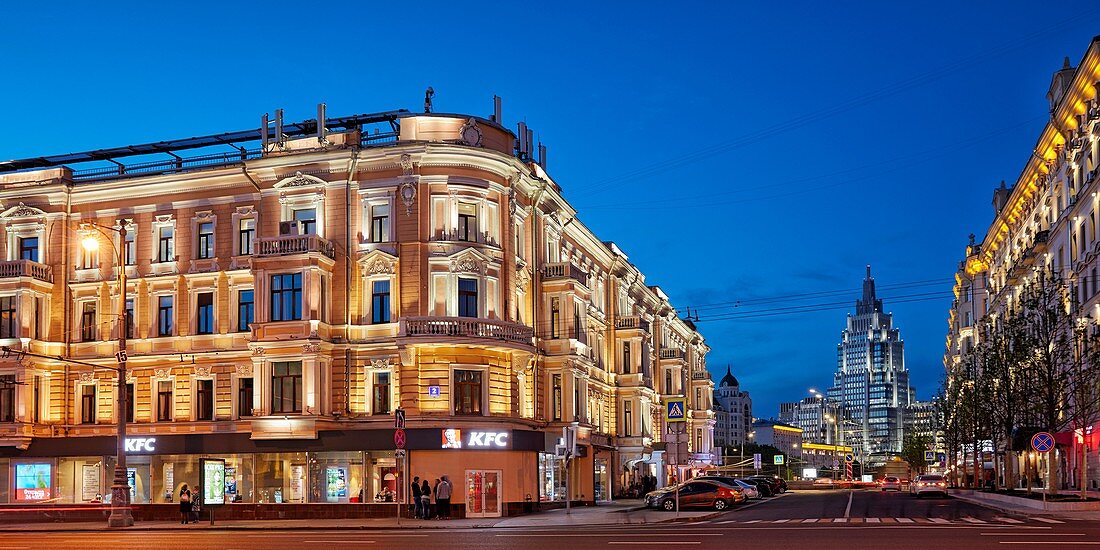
(622, 512)
(978, 498)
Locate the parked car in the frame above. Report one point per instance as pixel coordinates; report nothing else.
(891, 483)
(773, 484)
(926, 484)
(778, 483)
(749, 489)
(696, 493)
(764, 487)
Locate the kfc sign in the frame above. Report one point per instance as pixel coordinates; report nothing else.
(488, 440)
(141, 444)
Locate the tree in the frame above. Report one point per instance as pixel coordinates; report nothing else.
(913, 447)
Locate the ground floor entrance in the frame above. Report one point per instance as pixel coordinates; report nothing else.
(483, 493)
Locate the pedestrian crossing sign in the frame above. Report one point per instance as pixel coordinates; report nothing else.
(674, 410)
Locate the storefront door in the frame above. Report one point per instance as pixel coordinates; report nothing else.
(482, 493)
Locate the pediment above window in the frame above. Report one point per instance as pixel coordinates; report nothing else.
(469, 261)
(22, 211)
(378, 262)
(299, 180)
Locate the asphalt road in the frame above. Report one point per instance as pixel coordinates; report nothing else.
(824, 519)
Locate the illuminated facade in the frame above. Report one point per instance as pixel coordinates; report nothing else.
(1045, 220)
(284, 300)
(733, 409)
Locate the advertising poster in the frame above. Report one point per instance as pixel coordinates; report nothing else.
(337, 483)
(452, 438)
(231, 481)
(32, 481)
(297, 474)
(131, 480)
(89, 486)
(213, 481)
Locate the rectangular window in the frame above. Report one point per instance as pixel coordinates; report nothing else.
(467, 222)
(164, 400)
(206, 240)
(555, 317)
(286, 387)
(380, 223)
(555, 399)
(578, 327)
(87, 321)
(245, 394)
(467, 392)
(245, 234)
(7, 317)
(129, 321)
(204, 313)
(36, 400)
(89, 259)
(380, 302)
(246, 305)
(7, 398)
(37, 327)
(380, 397)
(129, 245)
(286, 297)
(204, 400)
(166, 248)
(87, 404)
(164, 316)
(467, 297)
(28, 248)
(626, 358)
(628, 419)
(307, 220)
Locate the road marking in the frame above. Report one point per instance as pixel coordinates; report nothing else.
(969, 519)
(812, 520)
(1046, 520)
(1051, 543)
(938, 520)
(1043, 534)
(872, 520)
(904, 520)
(665, 543)
(646, 533)
(840, 520)
(1007, 520)
(341, 541)
(753, 521)
(848, 509)
(781, 521)
(726, 522)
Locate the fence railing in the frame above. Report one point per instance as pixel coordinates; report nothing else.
(26, 268)
(284, 245)
(467, 327)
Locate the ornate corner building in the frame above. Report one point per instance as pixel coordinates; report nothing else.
(283, 300)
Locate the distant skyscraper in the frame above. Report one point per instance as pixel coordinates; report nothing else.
(871, 383)
(732, 411)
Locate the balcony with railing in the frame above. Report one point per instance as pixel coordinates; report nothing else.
(286, 245)
(631, 322)
(564, 270)
(700, 375)
(453, 329)
(26, 268)
(672, 353)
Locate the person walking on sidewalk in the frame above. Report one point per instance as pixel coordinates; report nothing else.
(426, 499)
(185, 504)
(443, 498)
(417, 510)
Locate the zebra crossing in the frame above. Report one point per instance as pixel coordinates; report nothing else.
(965, 520)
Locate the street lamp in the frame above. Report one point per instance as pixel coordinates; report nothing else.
(120, 489)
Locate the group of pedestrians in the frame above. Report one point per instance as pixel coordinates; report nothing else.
(189, 506)
(422, 494)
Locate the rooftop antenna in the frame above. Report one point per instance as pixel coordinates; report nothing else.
(321, 131)
(542, 155)
(522, 147)
(496, 109)
(264, 131)
(428, 95)
(280, 138)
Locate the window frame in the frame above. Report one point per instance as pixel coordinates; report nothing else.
(381, 308)
(463, 230)
(165, 412)
(464, 296)
(87, 403)
(205, 326)
(9, 316)
(34, 251)
(205, 243)
(296, 386)
(166, 245)
(166, 324)
(203, 411)
(246, 236)
(89, 321)
(251, 305)
(483, 397)
(277, 297)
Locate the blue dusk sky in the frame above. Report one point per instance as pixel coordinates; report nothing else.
(735, 151)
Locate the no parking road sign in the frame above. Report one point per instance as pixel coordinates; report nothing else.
(1042, 442)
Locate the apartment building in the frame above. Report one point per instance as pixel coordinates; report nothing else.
(283, 299)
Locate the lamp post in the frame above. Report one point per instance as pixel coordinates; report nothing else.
(120, 489)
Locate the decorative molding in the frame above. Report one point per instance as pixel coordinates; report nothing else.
(379, 264)
(244, 370)
(470, 134)
(87, 377)
(22, 211)
(311, 347)
(299, 180)
(165, 219)
(245, 211)
(162, 373)
(380, 364)
(205, 215)
(407, 192)
(258, 351)
(469, 263)
(203, 370)
(523, 278)
(129, 375)
(406, 164)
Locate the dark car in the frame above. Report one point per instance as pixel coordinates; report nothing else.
(778, 483)
(696, 493)
(761, 485)
(773, 484)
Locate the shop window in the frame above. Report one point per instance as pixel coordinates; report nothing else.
(286, 387)
(206, 240)
(336, 477)
(380, 302)
(555, 400)
(307, 220)
(467, 387)
(87, 321)
(286, 297)
(467, 297)
(246, 309)
(7, 398)
(204, 399)
(205, 313)
(164, 316)
(87, 404)
(380, 396)
(164, 400)
(379, 223)
(7, 317)
(246, 232)
(280, 477)
(245, 389)
(166, 247)
(28, 248)
(551, 477)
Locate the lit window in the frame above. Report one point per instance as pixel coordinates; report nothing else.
(379, 223)
(166, 248)
(467, 222)
(307, 220)
(245, 234)
(206, 240)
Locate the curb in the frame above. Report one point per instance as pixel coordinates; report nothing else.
(1001, 508)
